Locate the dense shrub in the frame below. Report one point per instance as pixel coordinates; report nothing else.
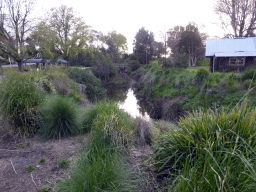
(202, 74)
(19, 98)
(249, 73)
(133, 65)
(59, 117)
(94, 89)
(104, 69)
(85, 60)
(215, 144)
(180, 60)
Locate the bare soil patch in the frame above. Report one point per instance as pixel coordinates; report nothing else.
(17, 154)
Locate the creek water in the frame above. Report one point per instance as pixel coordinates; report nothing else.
(127, 100)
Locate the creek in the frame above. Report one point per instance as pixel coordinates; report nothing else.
(127, 100)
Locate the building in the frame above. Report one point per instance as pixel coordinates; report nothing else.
(43, 62)
(231, 54)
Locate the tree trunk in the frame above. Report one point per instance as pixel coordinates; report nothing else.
(1, 69)
(20, 66)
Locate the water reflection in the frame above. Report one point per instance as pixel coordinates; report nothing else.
(131, 106)
(118, 94)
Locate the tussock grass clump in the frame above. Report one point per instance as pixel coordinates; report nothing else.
(19, 99)
(144, 131)
(212, 151)
(59, 117)
(114, 122)
(102, 167)
(99, 169)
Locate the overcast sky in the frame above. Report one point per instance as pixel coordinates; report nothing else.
(127, 17)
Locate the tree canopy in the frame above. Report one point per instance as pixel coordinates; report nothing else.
(187, 40)
(143, 45)
(116, 44)
(62, 34)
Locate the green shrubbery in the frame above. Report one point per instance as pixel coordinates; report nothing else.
(104, 69)
(202, 74)
(211, 151)
(101, 167)
(94, 89)
(133, 65)
(58, 117)
(249, 74)
(19, 98)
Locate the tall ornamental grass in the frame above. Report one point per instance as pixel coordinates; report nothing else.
(102, 167)
(114, 122)
(58, 117)
(19, 98)
(211, 151)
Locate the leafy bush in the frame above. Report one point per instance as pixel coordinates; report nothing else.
(249, 74)
(104, 69)
(59, 117)
(133, 65)
(215, 144)
(180, 60)
(202, 74)
(19, 99)
(87, 60)
(94, 89)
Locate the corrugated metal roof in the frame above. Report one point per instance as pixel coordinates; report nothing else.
(231, 47)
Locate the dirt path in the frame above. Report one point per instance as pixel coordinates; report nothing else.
(15, 156)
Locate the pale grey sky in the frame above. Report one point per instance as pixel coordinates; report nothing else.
(127, 17)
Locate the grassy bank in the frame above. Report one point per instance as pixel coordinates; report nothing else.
(180, 90)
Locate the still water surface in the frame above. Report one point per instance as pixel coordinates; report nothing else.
(128, 101)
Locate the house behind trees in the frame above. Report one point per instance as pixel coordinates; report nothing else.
(231, 54)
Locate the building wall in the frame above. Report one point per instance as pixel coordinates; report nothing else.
(222, 64)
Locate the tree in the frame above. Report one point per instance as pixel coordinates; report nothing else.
(159, 48)
(191, 42)
(240, 14)
(143, 45)
(62, 34)
(15, 24)
(116, 43)
(174, 36)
